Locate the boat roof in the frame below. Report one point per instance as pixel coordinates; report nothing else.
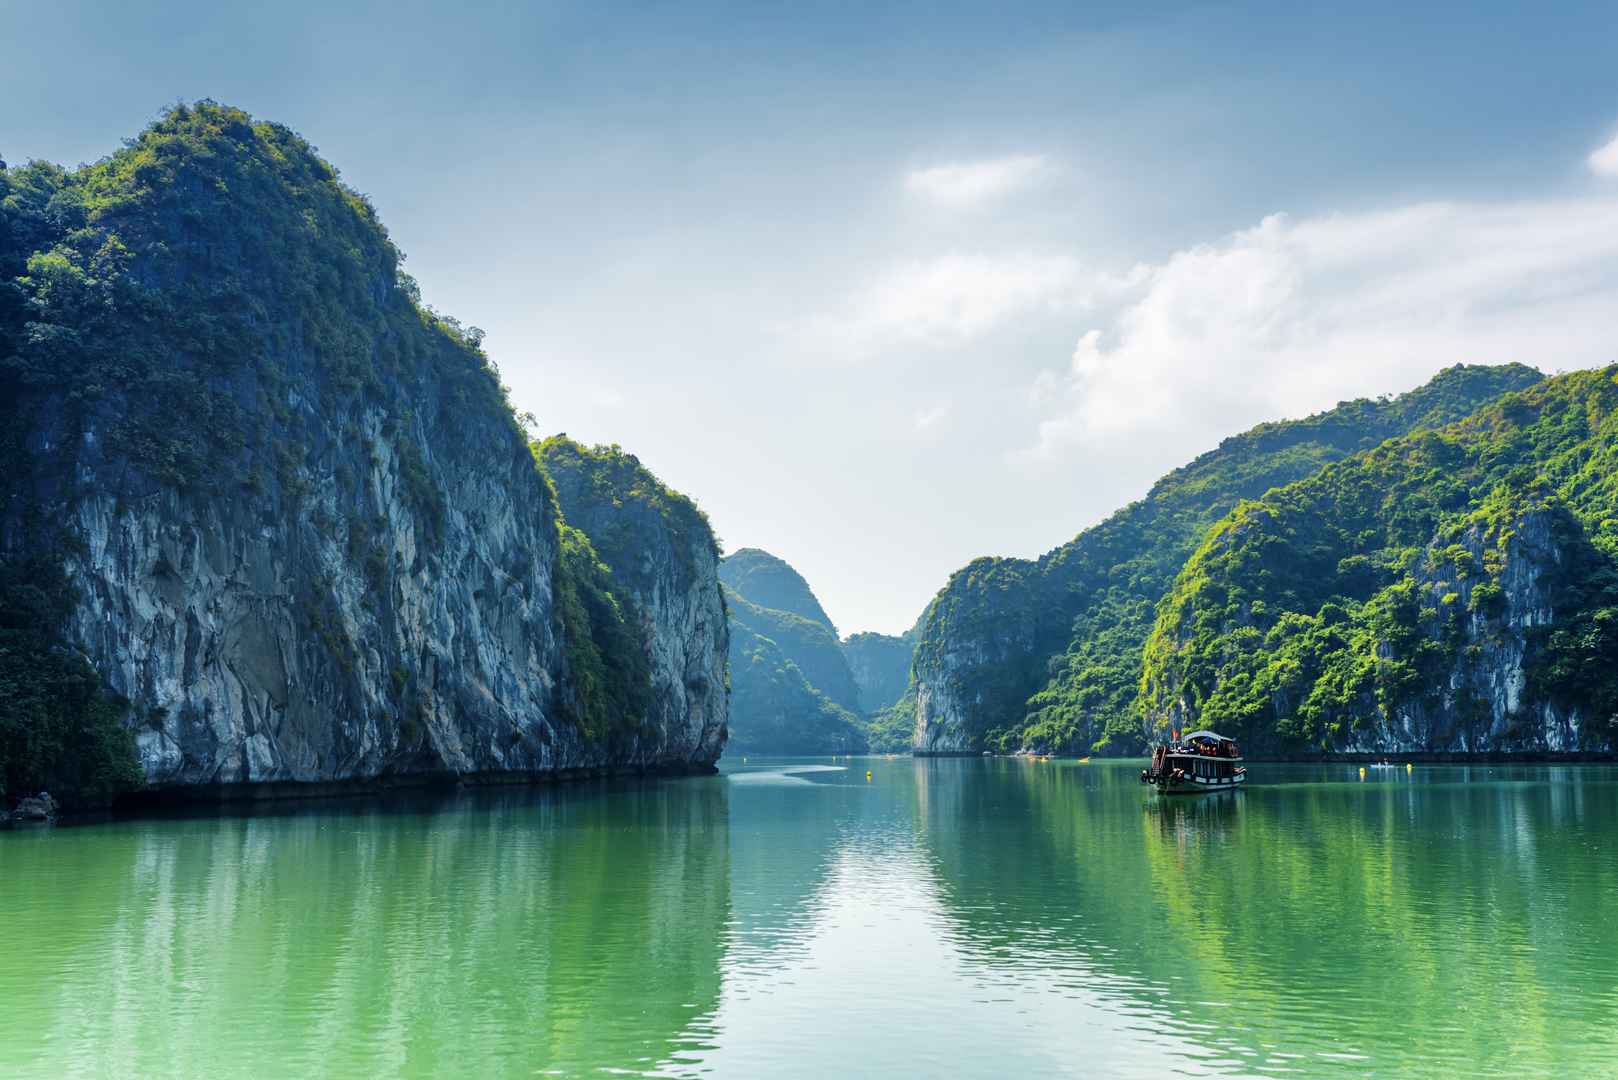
(1205, 735)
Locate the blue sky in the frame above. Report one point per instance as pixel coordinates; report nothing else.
(887, 287)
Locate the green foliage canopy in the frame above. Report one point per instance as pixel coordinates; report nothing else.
(1329, 603)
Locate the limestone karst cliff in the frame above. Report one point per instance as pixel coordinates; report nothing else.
(297, 533)
(664, 562)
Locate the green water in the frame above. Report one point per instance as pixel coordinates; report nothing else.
(948, 917)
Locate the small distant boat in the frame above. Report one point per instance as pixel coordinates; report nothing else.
(1198, 762)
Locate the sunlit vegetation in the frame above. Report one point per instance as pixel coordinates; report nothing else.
(624, 501)
(622, 523)
(606, 658)
(1330, 603)
(1063, 635)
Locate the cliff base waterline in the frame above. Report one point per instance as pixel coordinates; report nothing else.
(235, 794)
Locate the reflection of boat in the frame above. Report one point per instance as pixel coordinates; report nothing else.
(1200, 761)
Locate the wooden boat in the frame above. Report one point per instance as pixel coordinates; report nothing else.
(1194, 763)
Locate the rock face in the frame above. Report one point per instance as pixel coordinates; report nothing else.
(1483, 701)
(880, 664)
(1046, 654)
(307, 538)
(263, 637)
(35, 808)
(665, 561)
(1453, 592)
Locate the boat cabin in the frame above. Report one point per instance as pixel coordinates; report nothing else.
(1199, 761)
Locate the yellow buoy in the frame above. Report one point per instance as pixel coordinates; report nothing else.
(1408, 766)
(1362, 772)
(867, 774)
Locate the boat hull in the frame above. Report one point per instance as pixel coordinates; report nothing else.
(1200, 785)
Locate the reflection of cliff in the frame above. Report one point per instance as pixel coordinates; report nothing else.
(586, 928)
(1402, 922)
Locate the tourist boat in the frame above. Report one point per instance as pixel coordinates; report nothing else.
(1200, 761)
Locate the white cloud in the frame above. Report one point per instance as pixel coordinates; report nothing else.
(971, 183)
(1604, 160)
(954, 298)
(927, 419)
(1289, 317)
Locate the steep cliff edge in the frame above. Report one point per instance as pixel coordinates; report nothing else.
(1046, 654)
(1453, 591)
(299, 534)
(664, 564)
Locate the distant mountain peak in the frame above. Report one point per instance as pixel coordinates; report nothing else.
(768, 581)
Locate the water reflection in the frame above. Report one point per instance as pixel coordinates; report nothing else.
(944, 917)
(501, 934)
(1452, 922)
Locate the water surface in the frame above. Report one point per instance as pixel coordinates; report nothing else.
(944, 917)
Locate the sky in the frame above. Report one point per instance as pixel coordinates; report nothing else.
(887, 287)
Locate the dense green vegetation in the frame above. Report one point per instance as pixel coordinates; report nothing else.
(811, 645)
(775, 709)
(772, 600)
(1382, 580)
(606, 659)
(798, 689)
(890, 730)
(1052, 648)
(622, 523)
(60, 730)
(173, 289)
(770, 583)
(792, 689)
(623, 502)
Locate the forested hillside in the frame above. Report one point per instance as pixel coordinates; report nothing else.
(1452, 590)
(1046, 654)
(792, 690)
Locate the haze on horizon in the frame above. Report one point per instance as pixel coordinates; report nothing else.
(888, 289)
